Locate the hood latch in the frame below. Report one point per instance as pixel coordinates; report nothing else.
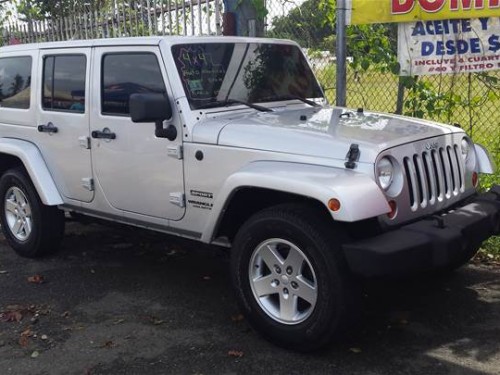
(352, 156)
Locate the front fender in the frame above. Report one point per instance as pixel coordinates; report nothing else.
(33, 161)
(359, 195)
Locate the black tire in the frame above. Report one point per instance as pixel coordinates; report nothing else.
(315, 235)
(47, 222)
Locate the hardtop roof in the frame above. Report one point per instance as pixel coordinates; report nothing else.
(137, 41)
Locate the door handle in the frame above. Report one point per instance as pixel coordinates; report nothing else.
(49, 128)
(104, 134)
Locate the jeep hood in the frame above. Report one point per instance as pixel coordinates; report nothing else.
(317, 132)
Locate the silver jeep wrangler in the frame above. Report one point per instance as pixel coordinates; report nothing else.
(230, 141)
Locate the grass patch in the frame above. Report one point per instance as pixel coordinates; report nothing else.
(490, 251)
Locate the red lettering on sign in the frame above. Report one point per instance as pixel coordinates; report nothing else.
(432, 6)
(467, 4)
(402, 6)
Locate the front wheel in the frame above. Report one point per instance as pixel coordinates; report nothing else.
(31, 228)
(291, 279)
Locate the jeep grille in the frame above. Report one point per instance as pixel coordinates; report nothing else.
(434, 175)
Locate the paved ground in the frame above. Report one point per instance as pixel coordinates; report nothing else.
(125, 301)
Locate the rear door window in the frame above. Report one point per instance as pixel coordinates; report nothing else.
(64, 83)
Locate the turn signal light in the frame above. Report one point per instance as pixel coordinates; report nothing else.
(475, 179)
(334, 204)
(394, 209)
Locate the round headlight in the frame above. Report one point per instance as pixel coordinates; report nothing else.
(465, 146)
(385, 173)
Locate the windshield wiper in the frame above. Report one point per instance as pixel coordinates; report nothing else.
(221, 103)
(289, 97)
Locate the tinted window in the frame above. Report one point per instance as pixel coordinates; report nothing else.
(203, 68)
(64, 83)
(253, 72)
(15, 82)
(126, 74)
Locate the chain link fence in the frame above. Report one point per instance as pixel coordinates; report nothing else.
(470, 100)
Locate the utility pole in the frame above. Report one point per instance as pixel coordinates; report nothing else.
(241, 18)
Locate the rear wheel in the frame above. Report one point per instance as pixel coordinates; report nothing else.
(291, 279)
(31, 228)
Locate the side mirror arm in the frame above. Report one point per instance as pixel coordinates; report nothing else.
(170, 132)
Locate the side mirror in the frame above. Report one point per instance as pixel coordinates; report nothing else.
(153, 107)
(149, 107)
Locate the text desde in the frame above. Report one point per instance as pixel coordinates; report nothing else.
(449, 46)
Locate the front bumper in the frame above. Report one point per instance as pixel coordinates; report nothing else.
(434, 242)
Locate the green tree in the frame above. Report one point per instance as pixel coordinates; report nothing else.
(306, 25)
(55, 9)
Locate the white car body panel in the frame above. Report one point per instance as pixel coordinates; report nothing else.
(312, 181)
(65, 152)
(33, 161)
(486, 164)
(323, 133)
(296, 149)
(134, 170)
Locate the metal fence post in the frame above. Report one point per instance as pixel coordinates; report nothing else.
(252, 28)
(400, 97)
(341, 80)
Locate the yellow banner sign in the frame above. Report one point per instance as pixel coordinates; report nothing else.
(382, 11)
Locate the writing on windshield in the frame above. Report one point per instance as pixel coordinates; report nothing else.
(255, 72)
(201, 76)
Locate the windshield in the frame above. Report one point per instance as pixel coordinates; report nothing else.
(250, 72)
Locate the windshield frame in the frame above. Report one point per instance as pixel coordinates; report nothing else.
(312, 81)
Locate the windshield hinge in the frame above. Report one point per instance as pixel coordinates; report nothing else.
(88, 183)
(84, 142)
(178, 199)
(175, 151)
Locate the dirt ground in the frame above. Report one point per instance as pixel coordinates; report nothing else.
(127, 301)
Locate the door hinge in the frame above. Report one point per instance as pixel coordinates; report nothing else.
(84, 142)
(179, 199)
(175, 151)
(88, 183)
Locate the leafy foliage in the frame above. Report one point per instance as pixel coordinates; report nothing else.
(260, 8)
(47, 9)
(490, 251)
(305, 24)
(372, 46)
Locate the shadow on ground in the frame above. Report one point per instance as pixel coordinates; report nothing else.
(127, 301)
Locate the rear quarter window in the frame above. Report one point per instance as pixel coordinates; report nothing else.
(15, 82)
